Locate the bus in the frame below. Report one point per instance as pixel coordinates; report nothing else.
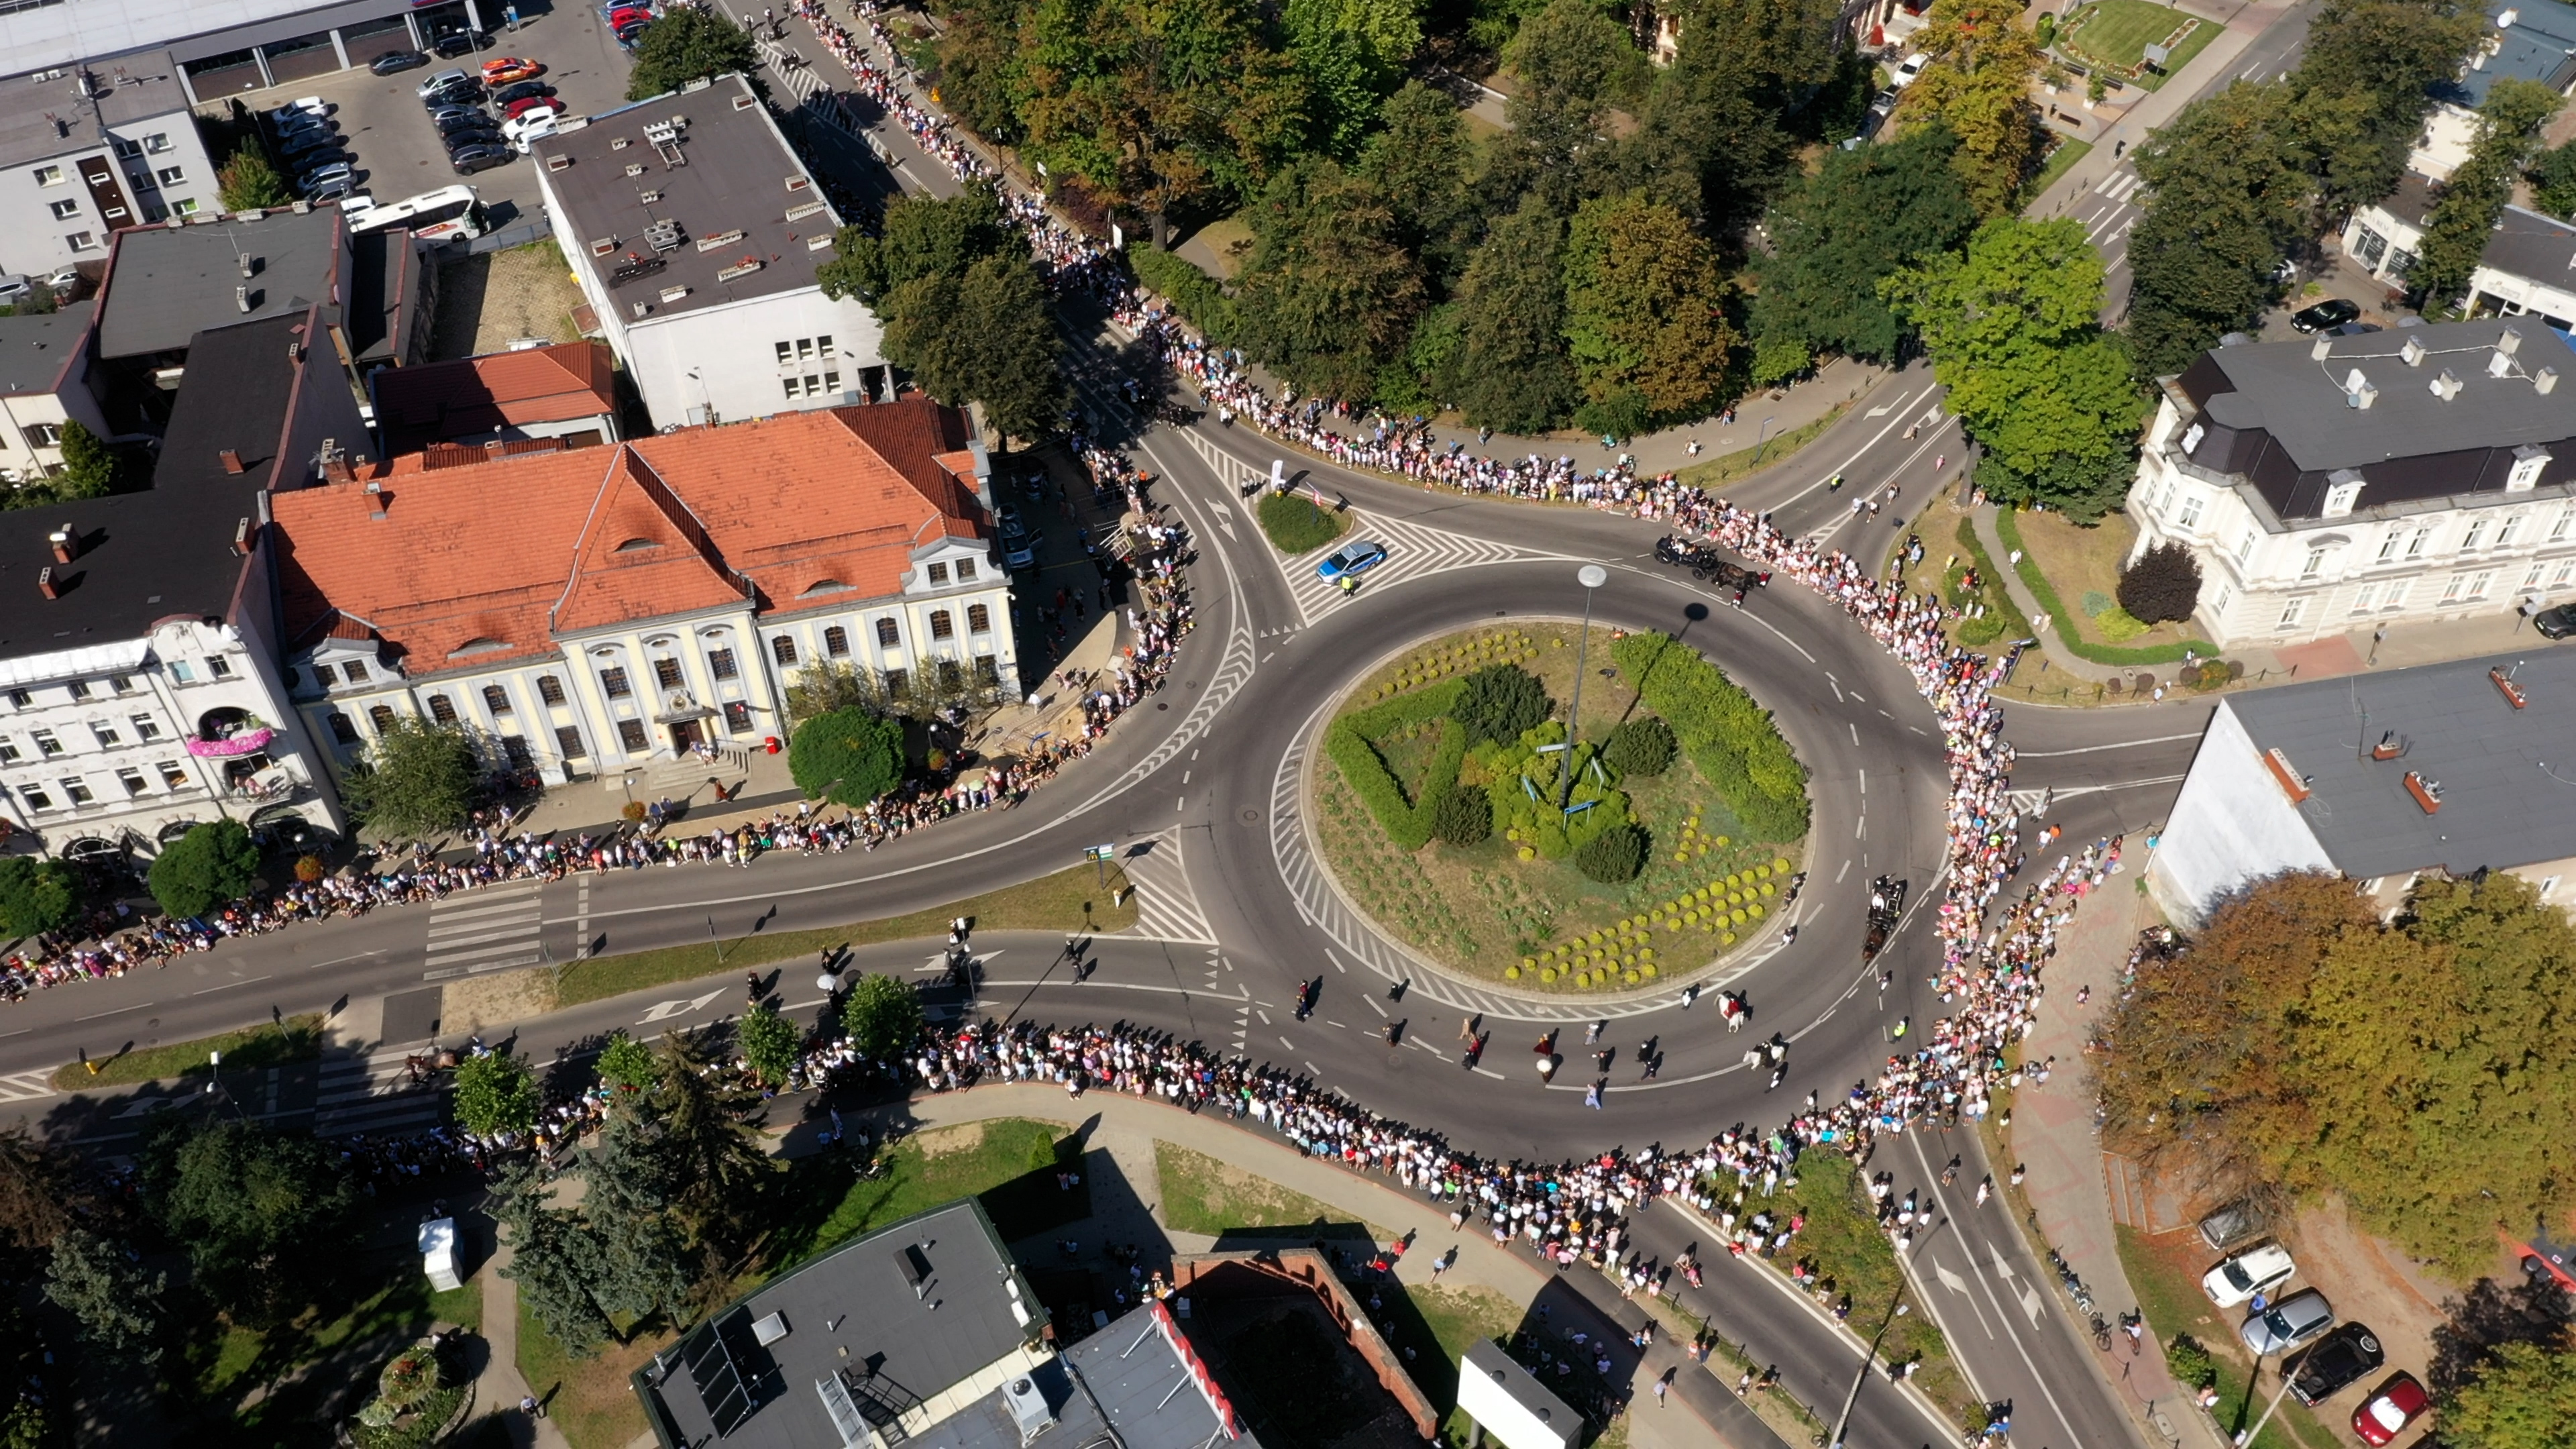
(448, 214)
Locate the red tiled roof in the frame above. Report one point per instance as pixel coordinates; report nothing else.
(483, 562)
(418, 406)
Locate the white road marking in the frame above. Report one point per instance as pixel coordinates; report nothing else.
(2097, 749)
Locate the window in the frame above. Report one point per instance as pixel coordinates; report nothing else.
(2506, 531)
(108, 738)
(218, 667)
(79, 688)
(941, 626)
(382, 717)
(2566, 571)
(49, 176)
(322, 675)
(737, 717)
(2548, 887)
(988, 670)
(78, 791)
(939, 573)
(979, 619)
(184, 206)
(836, 641)
(146, 727)
(630, 733)
(666, 673)
(2451, 590)
(2340, 498)
(2388, 546)
(2316, 561)
(496, 699)
(120, 684)
(965, 571)
(354, 672)
(2532, 579)
(63, 210)
(44, 435)
(36, 797)
(888, 635)
(2476, 535)
(171, 175)
(157, 142)
(2415, 545)
(568, 742)
(2477, 589)
(131, 779)
(10, 754)
(2528, 463)
(950, 675)
(80, 241)
(515, 750)
(831, 382)
(2362, 600)
(720, 664)
(786, 352)
(2292, 612)
(47, 745)
(343, 728)
(898, 684)
(174, 776)
(21, 698)
(2558, 530)
(442, 709)
(783, 649)
(612, 682)
(2190, 514)
(2395, 598)
(550, 689)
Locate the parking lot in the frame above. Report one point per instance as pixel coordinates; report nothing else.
(397, 151)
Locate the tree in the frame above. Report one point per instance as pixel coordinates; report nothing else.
(2366, 81)
(1643, 746)
(214, 864)
(1643, 311)
(627, 1193)
(768, 1042)
(418, 778)
(1420, 161)
(1575, 64)
(118, 1308)
(89, 466)
(2525, 1399)
(1328, 297)
(2033, 378)
(37, 896)
(2455, 236)
(979, 75)
(625, 1063)
(1352, 55)
(247, 182)
(496, 1094)
(922, 236)
(881, 1016)
(1863, 215)
(45, 1189)
(1978, 84)
(1463, 816)
(686, 43)
(2162, 584)
(1499, 702)
(1614, 855)
(1512, 369)
(987, 337)
(260, 1212)
(2553, 181)
(847, 755)
(710, 1145)
(2227, 193)
(554, 1258)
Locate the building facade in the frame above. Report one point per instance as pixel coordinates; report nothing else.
(2340, 483)
(86, 152)
(215, 48)
(44, 383)
(632, 603)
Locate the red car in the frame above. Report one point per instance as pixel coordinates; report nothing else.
(526, 104)
(510, 68)
(626, 15)
(2385, 1414)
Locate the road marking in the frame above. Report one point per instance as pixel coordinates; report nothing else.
(2097, 749)
(27, 1086)
(1846, 870)
(120, 1011)
(1864, 782)
(1855, 729)
(227, 986)
(665, 1010)
(1884, 429)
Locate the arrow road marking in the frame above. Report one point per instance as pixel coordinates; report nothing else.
(665, 1010)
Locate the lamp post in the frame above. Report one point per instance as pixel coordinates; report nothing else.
(1591, 576)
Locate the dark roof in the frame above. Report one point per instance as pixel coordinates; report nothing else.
(737, 174)
(379, 286)
(1120, 1379)
(34, 117)
(2536, 47)
(165, 284)
(34, 346)
(169, 549)
(902, 1347)
(2412, 202)
(2530, 245)
(2507, 775)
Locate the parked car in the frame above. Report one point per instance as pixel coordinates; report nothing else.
(479, 158)
(2258, 1269)
(2287, 1324)
(526, 141)
(2332, 312)
(14, 289)
(510, 68)
(320, 176)
(521, 91)
(2555, 623)
(394, 61)
(461, 42)
(442, 81)
(2230, 1225)
(1019, 546)
(625, 15)
(317, 167)
(330, 191)
(64, 279)
(1351, 560)
(2385, 1414)
(300, 124)
(627, 33)
(486, 134)
(301, 150)
(2340, 1358)
(301, 106)
(453, 118)
(1907, 69)
(532, 108)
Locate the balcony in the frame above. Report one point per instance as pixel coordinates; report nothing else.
(225, 733)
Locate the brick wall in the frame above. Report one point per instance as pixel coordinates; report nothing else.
(1238, 1277)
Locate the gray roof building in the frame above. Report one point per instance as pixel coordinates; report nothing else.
(35, 347)
(2533, 40)
(1127, 1384)
(166, 284)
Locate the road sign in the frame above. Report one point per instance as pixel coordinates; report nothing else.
(1102, 852)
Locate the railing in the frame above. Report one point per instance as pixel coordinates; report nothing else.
(247, 742)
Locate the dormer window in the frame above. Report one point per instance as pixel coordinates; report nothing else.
(2528, 463)
(2343, 489)
(637, 545)
(938, 573)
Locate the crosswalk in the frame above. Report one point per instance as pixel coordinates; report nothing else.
(490, 929)
(27, 1086)
(1166, 908)
(372, 1094)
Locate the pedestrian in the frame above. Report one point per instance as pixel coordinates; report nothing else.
(1662, 1385)
(529, 1406)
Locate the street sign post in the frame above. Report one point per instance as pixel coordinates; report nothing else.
(1100, 856)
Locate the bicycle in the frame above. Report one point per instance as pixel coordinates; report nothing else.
(2101, 1334)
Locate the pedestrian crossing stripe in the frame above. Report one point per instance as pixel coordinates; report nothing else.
(493, 928)
(27, 1086)
(1167, 909)
(374, 1093)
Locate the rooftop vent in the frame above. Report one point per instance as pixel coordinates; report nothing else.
(2412, 352)
(2509, 342)
(720, 240)
(556, 161)
(743, 268)
(230, 458)
(2545, 381)
(249, 265)
(634, 168)
(2446, 386)
(2390, 746)
(243, 529)
(2427, 793)
(818, 243)
(743, 103)
(619, 143)
(66, 544)
(2499, 362)
(45, 584)
(601, 246)
(241, 298)
(2358, 391)
(643, 309)
(804, 209)
(2322, 348)
(648, 197)
(2293, 784)
(673, 294)
(2511, 691)
(636, 267)
(799, 183)
(664, 236)
(1029, 1411)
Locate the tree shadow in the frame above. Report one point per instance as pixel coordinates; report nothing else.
(2489, 1316)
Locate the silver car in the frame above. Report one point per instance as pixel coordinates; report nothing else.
(2287, 1324)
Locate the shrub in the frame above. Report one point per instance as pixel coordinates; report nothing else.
(1982, 631)
(2163, 584)
(1295, 523)
(848, 755)
(2116, 625)
(212, 864)
(1200, 297)
(1615, 855)
(1499, 703)
(495, 1094)
(2189, 1361)
(2044, 29)
(1732, 739)
(1641, 747)
(1347, 742)
(1463, 816)
(308, 868)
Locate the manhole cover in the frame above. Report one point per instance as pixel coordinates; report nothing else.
(156, 1021)
(1251, 817)
(1162, 706)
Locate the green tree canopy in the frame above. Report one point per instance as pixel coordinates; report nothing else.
(2553, 181)
(2226, 191)
(1352, 55)
(768, 1042)
(419, 777)
(495, 1094)
(1643, 310)
(1978, 84)
(37, 896)
(1864, 214)
(628, 1188)
(686, 43)
(1575, 64)
(555, 1259)
(214, 864)
(1513, 372)
(2455, 237)
(626, 1064)
(260, 1212)
(1499, 702)
(987, 337)
(847, 755)
(1328, 296)
(718, 1172)
(881, 1015)
(247, 182)
(922, 236)
(89, 465)
(118, 1308)
(2524, 1399)
(2032, 377)
(1421, 162)
(2366, 81)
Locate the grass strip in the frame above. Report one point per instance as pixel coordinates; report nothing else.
(269, 1044)
(1204, 1195)
(1295, 523)
(1743, 462)
(1843, 1243)
(1998, 599)
(2061, 158)
(2065, 621)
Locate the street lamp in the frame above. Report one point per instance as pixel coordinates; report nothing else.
(1591, 576)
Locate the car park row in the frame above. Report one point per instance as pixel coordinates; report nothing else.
(2335, 1356)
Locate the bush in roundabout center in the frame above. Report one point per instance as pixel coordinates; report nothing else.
(1498, 702)
(1462, 816)
(1641, 747)
(1614, 855)
(1525, 783)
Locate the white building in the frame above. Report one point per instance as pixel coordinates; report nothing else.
(2528, 269)
(140, 693)
(695, 233)
(45, 382)
(592, 610)
(84, 153)
(2338, 483)
(213, 48)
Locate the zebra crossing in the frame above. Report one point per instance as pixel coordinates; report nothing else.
(492, 928)
(372, 1093)
(27, 1086)
(1167, 909)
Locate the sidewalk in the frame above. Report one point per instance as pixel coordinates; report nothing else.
(2153, 108)
(500, 1388)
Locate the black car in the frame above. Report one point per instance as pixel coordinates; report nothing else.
(461, 42)
(481, 157)
(2555, 623)
(464, 141)
(451, 119)
(2338, 1359)
(520, 92)
(454, 93)
(297, 148)
(396, 60)
(2332, 312)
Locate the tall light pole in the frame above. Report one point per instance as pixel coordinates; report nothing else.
(1591, 576)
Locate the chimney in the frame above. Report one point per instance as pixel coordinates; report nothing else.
(2358, 391)
(375, 500)
(335, 463)
(2321, 349)
(2389, 746)
(45, 584)
(2427, 793)
(494, 448)
(66, 544)
(241, 538)
(2544, 381)
(2412, 352)
(2446, 386)
(231, 459)
(2509, 342)
(249, 266)
(241, 298)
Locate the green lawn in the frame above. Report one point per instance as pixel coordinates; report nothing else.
(1725, 468)
(2116, 33)
(1203, 1195)
(1845, 1245)
(1295, 523)
(297, 1039)
(2173, 1303)
(2061, 157)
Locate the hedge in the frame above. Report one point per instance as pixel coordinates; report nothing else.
(2031, 574)
(1732, 739)
(1406, 821)
(1196, 295)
